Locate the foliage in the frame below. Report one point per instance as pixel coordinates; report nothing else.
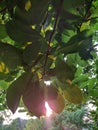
(17, 124)
(67, 119)
(56, 44)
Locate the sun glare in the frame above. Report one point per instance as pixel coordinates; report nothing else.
(48, 110)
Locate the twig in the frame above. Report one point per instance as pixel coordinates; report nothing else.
(50, 38)
(92, 18)
(86, 14)
(3, 10)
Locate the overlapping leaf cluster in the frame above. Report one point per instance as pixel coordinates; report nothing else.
(37, 40)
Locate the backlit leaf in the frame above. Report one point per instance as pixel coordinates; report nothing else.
(52, 92)
(73, 94)
(57, 104)
(33, 98)
(28, 5)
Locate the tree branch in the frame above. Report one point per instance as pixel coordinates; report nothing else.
(51, 36)
(3, 10)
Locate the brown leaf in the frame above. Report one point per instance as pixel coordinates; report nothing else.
(33, 98)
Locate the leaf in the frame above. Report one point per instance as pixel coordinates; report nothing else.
(81, 78)
(74, 43)
(15, 90)
(31, 52)
(3, 85)
(57, 104)
(85, 49)
(67, 34)
(71, 6)
(63, 70)
(3, 30)
(48, 63)
(3, 68)
(73, 94)
(21, 32)
(85, 26)
(10, 57)
(4, 71)
(28, 5)
(71, 46)
(52, 92)
(30, 17)
(94, 93)
(33, 98)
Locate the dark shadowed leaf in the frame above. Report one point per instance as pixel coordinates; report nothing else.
(15, 90)
(20, 32)
(32, 51)
(10, 56)
(29, 17)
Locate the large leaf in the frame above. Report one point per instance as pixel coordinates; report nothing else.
(20, 32)
(29, 17)
(10, 56)
(52, 92)
(33, 98)
(63, 70)
(15, 90)
(73, 94)
(33, 50)
(57, 104)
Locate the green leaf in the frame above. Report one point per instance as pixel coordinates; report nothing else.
(67, 34)
(94, 93)
(3, 30)
(85, 48)
(32, 51)
(10, 57)
(3, 85)
(64, 71)
(71, 46)
(30, 17)
(71, 6)
(15, 91)
(20, 32)
(80, 78)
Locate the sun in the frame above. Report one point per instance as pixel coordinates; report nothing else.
(49, 111)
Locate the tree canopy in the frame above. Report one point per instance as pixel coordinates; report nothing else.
(48, 40)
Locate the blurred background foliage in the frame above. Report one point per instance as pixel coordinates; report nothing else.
(57, 43)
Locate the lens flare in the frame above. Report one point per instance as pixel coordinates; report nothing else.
(48, 110)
